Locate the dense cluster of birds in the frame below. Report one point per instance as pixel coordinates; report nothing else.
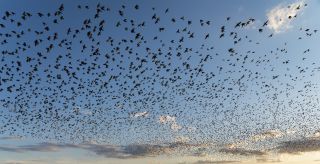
(125, 78)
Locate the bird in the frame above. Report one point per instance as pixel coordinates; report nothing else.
(77, 77)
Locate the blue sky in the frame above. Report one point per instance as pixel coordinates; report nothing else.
(246, 96)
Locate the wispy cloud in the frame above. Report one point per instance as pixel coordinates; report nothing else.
(281, 16)
(182, 139)
(140, 114)
(166, 119)
(270, 134)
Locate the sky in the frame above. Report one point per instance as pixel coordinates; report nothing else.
(159, 81)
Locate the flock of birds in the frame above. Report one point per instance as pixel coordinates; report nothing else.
(130, 79)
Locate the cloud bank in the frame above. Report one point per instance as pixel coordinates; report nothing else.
(112, 151)
(299, 146)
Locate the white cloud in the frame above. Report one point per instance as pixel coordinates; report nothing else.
(191, 129)
(290, 132)
(166, 119)
(182, 139)
(141, 114)
(175, 126)
(237, 144)
(79, 110)
(278, 17)
(171, 120)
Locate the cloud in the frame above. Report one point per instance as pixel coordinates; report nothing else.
(171, 120)
(11, 138)
(110, 151)
(104, 150)
(182, 139)
(316, 133)
(278, 17)
(166, 119)
(290, 132)
(78, 110)
(271, 134)
(244, 152)
(16, 162)
(42, 147)
(141, 114)
(24, 162)
(299, 146)
(236, 144)
(215, 162)
(175, 127)
(265, 160)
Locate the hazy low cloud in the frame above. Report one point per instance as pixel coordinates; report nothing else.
(111, 151)
(299, 146)
(244, 152)
(103, 150)
(24, 162)
(278, 17)
(184, 148)
(266, 160)
(215, 162)
(42, 147)
(11, 138)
